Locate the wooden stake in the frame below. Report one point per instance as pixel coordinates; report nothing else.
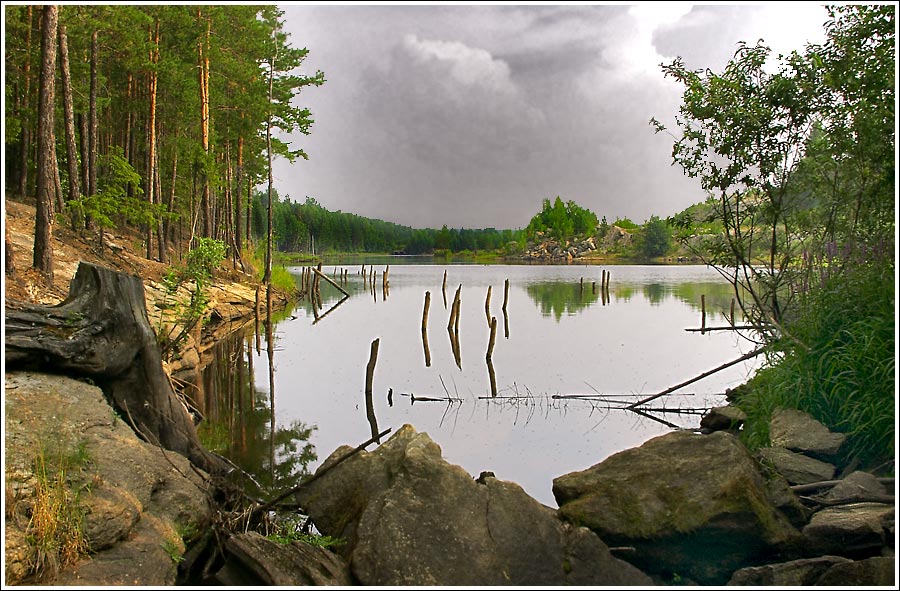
(458, 306)
(487, 306)
(425, 311)
(594, 287)
(505, 293)
(444, 289)
(370, 368)
(702, 313)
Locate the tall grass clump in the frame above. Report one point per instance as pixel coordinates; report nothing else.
(56, 525)
(839, 364)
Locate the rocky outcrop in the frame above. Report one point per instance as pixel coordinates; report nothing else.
(798, 431)
(411, 518)
(550, 249)
(692, 505)
(138, 501)
(796, 468)
(723, 418)
(803, 572)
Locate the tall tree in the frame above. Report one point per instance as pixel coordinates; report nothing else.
(46, 147)
(69, 116)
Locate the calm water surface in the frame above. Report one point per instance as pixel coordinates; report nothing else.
(556, 341)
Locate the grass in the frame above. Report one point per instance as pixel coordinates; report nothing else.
(844, 375)
(56, 525)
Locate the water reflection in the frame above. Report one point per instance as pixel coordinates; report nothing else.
(238, 419)
(557, 298)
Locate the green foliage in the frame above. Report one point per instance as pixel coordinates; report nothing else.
(626, 224)
(292, 529)
(119, 196)
(562, 220)
(56, 525)
(845, 378)
(654, 241)
(196, 274)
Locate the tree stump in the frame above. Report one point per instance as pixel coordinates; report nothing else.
(101, 331)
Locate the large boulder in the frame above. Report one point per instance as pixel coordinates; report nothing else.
(877, 571)
(795, 467)
(803, 572)
(855, 530)
(692, 505)
(411, 518)
(137, 500)
(798, 431)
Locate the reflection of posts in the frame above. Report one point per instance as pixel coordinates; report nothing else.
(489, 354)
(370, 416)
(425, 329)
(492, 377)
(454, 346)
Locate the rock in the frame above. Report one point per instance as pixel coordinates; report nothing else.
(849, 530)
(147, 558)
(255, 560)
(871, 572)
(694, 505)
(786, 501)
(722, 418)
(411, 518)
(796, 468)
(135, 496)
(856, 485)
(798, 431)
(804, 572)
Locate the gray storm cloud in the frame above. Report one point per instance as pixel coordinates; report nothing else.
(470, 116)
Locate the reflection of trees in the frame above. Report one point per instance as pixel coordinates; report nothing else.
(237, 421)
(655, 293)
(557, 298)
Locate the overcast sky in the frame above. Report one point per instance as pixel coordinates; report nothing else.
(471, 115)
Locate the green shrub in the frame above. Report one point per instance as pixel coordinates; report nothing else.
(843, 374)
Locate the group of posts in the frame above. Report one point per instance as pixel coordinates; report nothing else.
(604, 286)
(453, 326)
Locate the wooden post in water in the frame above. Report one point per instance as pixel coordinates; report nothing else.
(425, 329)
(487, 305)
(594, 287)
(489, 355)
(454, 311)
(702, 313)
(505, 293)
(425, 311)
(370, 368)
(444, 289)
(581, 287)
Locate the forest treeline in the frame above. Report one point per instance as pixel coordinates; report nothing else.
(154, 116)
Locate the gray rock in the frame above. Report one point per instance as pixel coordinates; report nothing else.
(796, 468)
(856, 485)
(255, 560)
(802, 572)
(411, 518)
(690, 504)
(786, 501)
(798, 431)
(136, 498)
(848, 530)
(871, 572)
(722, 418)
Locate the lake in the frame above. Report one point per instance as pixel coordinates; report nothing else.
(565, 360)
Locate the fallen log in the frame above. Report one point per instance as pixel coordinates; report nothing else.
(101, 332)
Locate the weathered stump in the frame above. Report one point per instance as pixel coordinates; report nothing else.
(101, 332)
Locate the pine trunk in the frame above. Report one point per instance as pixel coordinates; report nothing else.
(92, 123)
(46, 147)
(26, 127)
(69, 115)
